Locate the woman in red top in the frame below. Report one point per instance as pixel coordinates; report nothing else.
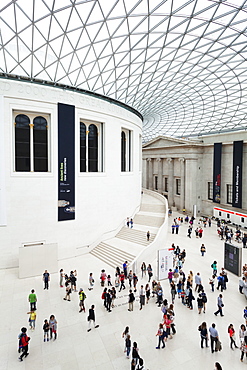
(231, 332)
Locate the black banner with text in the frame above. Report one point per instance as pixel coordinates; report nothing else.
(217, 172)
(237, 174)
(66, 162)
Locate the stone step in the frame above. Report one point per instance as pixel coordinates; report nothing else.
(135, 236)
(116, 251)
(111, 255)
(148, 220)
(153, 208)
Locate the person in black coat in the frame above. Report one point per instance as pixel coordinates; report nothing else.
(91, 318)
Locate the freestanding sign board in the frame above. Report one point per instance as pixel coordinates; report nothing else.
(233, 258)
(165, 262)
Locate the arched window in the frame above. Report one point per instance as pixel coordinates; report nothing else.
(40, 144)
(22, 143)
(82, 147)
(93, 149)
(123, 151)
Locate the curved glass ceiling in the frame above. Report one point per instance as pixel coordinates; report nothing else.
(182, 64)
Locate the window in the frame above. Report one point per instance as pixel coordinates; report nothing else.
(210, 190)
(91, 147)
(126, 150)
(31, 142)
(166, 184)
(178, 186)
(156, 182)
(229, 194)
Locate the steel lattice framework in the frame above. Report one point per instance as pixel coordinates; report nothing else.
(181, 63)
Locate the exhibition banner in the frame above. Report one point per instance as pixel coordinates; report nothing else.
(66, 162)
(217, 172)
(165, 262)
(237, 174)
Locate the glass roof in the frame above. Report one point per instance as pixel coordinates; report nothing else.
(182, 64)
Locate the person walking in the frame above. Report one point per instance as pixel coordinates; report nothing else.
(204, 300)
(220, 305)
(82, 297)
(46, 279)
(142, 297)
(160, 335)
(91, 318)
(122, 278)
(214, 267)
(203, 333)
(150, 272)
(131, 300)
(148, 236)
(231, 333)
(32, 319)
(23, 343)
(128, 345)
(242, 333)
(147, 290)
(53, 327)
(214, 337)
(189, 231)
(46, 330)
(61, 273)
(32, 300)
(198, 281)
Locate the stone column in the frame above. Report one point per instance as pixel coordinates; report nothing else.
(160, 174)
(170, 181)
(182, 177)
(150, 174)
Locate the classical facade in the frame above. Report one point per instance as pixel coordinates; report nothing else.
(183, 170)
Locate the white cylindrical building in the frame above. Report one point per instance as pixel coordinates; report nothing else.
(106, 170)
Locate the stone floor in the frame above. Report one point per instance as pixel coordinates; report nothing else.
(102, 348)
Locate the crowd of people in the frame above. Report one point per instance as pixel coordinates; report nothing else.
(186, 288)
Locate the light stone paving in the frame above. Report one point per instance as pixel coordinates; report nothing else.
(102, 348)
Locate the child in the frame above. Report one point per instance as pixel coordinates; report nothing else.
(46, 330)
(109, 280)
(32, 319)
(53, 327)
(182, 295)
(117, 282)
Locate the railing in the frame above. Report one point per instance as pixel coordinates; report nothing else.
(149, 253)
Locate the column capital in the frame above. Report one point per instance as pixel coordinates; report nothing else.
(149, 159)
(169, 160)
(181, 159)
(158, 159)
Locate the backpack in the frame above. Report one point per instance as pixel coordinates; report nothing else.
(204, 299)
(212, 265)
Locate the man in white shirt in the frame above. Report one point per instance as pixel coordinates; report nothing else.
(214, 337)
